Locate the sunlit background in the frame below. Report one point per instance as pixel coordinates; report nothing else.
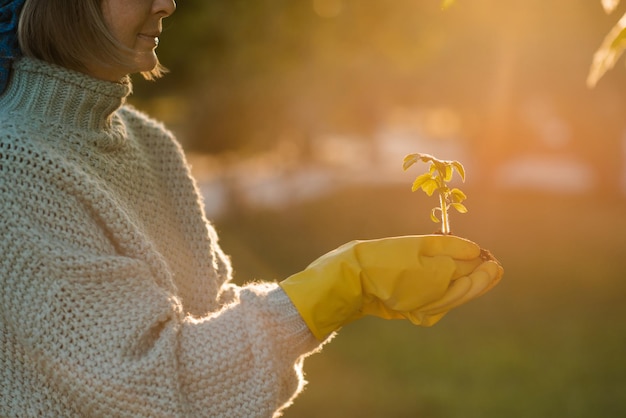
(295, 116)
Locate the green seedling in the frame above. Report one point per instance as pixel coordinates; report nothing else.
(437, 179)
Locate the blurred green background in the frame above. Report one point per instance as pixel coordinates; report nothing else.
(549, 341)
(295, 116)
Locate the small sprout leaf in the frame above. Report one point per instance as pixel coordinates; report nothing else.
(420, 180)
(441, 167)
(409, 160)
(460, 169)
(448, 175)
(430, 186)
(459, 207)
(457, 195)
(433, 215)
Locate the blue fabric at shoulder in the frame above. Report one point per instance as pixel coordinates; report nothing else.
(9, 47)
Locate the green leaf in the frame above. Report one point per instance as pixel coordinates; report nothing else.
(441, 167)
(409, 160)
(609, 52)
(430, 186)
(461, 170)
(457, 195)
(448, 173)
(420, 180)
(433, 215)
(459, 207)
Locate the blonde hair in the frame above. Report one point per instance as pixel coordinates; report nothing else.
(71, 33)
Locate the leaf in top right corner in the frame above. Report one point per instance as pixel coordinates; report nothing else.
(609, 52)
(610, 5)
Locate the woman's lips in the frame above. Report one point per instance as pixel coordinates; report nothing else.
(153, 39)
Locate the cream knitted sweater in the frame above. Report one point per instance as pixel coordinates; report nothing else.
(115, 297)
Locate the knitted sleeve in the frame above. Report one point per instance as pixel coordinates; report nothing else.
(89, 330)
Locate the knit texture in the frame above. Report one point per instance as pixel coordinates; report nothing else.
(115, 299)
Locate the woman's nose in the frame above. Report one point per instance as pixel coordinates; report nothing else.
(164, 7)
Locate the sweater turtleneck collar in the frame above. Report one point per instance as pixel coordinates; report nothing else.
(63, 96)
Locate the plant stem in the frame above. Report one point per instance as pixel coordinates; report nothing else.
(445, 223)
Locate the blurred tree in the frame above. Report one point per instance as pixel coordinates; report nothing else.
(266, 69)
(246, 74)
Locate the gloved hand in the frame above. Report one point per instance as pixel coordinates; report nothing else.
(419, 278)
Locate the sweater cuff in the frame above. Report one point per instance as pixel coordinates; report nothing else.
(288, 322)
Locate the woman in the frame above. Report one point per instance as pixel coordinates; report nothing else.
(116, 298)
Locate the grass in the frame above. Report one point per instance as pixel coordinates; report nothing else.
(548, 341)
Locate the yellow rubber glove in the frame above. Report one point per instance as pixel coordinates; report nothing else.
(419, 278)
